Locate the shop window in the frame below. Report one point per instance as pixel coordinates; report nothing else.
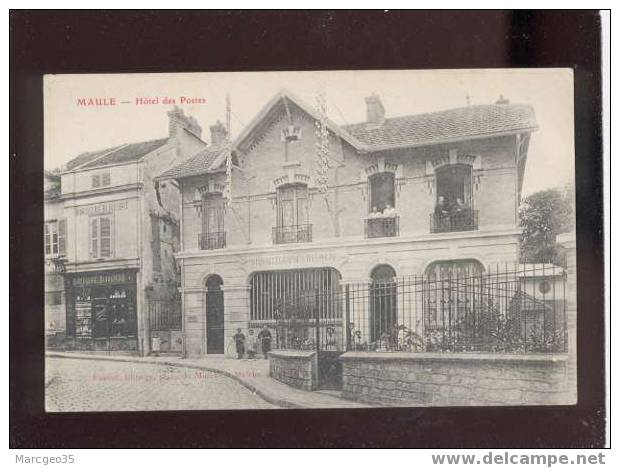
(101, 237)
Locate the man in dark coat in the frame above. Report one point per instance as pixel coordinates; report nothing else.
(265, 340)
(239, 343)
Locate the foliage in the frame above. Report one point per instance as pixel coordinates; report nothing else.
(543, 215)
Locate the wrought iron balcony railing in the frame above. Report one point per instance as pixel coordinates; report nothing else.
(385, 226)
(212, 240)
(292, 234)
(465, 220)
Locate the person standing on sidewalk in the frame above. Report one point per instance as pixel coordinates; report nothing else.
(265, 340)
(239, 343)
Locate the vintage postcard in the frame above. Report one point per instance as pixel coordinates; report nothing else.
(309, 240)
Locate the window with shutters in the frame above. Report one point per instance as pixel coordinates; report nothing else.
(101, 237)
(213, 235)
(292, 222)
(51, 238)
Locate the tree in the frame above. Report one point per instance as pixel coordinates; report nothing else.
(543, 215)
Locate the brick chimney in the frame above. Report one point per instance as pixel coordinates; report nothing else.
(219, 134)
(375, 112)
(502, 100)
(177, 121)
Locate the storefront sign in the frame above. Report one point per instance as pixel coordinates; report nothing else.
(102, 208)
(113, 277)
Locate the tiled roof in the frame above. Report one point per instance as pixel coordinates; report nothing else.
(200, 163)
(115, 155)
(436, 127)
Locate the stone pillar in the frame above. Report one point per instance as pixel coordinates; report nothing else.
(568, 241)
(236, 314)
(194, 322)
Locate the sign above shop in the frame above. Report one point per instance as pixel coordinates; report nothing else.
(103, 277)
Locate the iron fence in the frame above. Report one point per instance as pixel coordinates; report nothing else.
(457, 308)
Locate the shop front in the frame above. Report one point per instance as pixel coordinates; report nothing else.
(101, 311)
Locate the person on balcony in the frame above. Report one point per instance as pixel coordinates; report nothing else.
(460, 214)
(389, 211)
(441, 208)
(375, 213)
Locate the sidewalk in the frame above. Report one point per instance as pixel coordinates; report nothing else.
(252, 374)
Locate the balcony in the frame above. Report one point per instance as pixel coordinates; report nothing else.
(292, 234)
(466, 220)
(212, 240)
(386, 226)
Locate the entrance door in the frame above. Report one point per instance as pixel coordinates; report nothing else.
(215, 315)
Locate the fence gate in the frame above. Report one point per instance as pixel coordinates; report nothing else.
(306, 307)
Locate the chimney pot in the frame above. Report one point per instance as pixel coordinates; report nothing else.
(375, 112)
(502, 100)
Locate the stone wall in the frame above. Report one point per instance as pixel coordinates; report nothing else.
(434, 379)
(295, 368)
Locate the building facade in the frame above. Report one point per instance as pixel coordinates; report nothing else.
(54, 238)
(304, 205)
(121, 230)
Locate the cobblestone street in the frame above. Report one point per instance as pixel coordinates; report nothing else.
(91, 385)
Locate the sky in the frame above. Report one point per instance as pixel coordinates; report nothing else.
(71, 129)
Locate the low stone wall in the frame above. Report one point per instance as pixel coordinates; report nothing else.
(438, 379)
(295, 368)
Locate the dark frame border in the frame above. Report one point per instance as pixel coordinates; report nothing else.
(174, 41)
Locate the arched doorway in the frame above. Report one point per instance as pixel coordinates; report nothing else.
(215, 315)
(383, 304)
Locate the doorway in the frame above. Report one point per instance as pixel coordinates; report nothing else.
(215, 315)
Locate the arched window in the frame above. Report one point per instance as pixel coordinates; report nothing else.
(454, 182)
(292, 222)
(381, 188)
(454, 206)
(382, 220)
